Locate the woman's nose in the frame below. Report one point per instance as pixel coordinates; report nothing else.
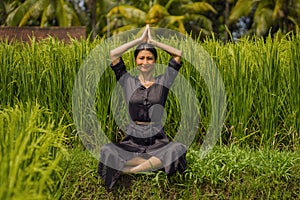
(145, 61)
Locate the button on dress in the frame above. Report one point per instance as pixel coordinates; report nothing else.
(145, 140)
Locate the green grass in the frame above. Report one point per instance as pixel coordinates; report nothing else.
(31, 152)
(257, 156)
(37, 162)
(261, 79)
(225, 173)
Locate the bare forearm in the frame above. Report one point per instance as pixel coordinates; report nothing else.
(116, 53)
(171, 50)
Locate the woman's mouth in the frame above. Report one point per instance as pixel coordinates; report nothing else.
(146, 66)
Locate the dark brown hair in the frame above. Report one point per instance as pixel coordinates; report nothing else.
(145, 46)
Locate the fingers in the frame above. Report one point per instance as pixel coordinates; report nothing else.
(146, 29)
(149, 40)
(149, 35)
(144, 37)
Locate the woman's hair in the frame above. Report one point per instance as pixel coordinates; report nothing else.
(145, 46)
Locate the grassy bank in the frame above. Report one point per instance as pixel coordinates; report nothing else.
(257, 156)
(226, 173)
(261, 79)
(32, 150)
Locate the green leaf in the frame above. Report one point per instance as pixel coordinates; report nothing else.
(278, 10)
(201, 22)
(124, 28)
(263, 21)
(241, 8)
(49, 13)
(199, 7)
(34, 11)
(176, 22)
(63, 14)
(293, 20)
(15, 17)
(129, 12)
(156, 13)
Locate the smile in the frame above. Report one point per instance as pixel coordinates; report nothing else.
(146, 66)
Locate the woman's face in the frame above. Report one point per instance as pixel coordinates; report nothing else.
(145, 61)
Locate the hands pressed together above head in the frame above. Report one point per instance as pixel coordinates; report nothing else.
(146, 37)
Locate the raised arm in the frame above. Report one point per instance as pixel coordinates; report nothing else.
(171, 50)
(116, 53)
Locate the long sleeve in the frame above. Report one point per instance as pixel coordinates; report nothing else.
(119, 69)
(171, 73)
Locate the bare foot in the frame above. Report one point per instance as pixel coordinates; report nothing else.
(127, 169)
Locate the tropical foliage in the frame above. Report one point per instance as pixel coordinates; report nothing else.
(41, 12)
(164, 15)
(107, 17)
(282, 15)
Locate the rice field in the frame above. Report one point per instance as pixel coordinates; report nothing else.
(40, 148)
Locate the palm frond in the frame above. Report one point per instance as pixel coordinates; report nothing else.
(174, 22)
(278, 12)
(156, 13)
(49, 13)
(295, 22)
(65, 15)
(129, 12)
(263, 21)
(14, 18)
(294, 10)
(241, 8)
(200, 23)
(73, 16)
(61, 14)
(126, 28)
(33, 12)
(199, 7)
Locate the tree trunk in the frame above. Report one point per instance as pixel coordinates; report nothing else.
(92, 10)
(226, 18)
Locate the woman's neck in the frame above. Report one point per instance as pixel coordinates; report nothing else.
(146, 77)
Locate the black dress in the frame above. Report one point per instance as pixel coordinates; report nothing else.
(145, 105)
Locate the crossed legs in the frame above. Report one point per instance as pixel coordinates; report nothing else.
(140, 164)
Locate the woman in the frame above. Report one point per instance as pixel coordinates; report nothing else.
(145, 146)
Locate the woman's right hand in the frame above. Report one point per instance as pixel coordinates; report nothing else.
(176, 53)
(116, 53)
(144, 37)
